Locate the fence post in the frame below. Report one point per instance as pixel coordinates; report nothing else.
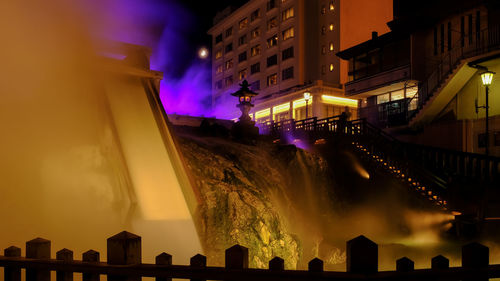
(163, 259)
(404, 264)
(38, 248)
(90, 256)
(198, 261)
(277, 264)
(123, 249)
(440, 262)
(362, 255)
(315, 265)
(66, 256)
(475, 255)
(237, 257)
(12, 273)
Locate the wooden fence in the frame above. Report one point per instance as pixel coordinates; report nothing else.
(124, 263)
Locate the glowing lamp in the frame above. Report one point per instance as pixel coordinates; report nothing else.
(203, 53)
(244, 95)
(487, 77)
(307, 96)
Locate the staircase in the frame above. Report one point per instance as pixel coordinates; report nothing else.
(450, 75)
(442, 176)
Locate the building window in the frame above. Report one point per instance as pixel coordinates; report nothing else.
(332, 7)
(255, 86)
(255, 68)
(331, 46)
(449, 36)
(219, 69)
(242, 74)
(435, 40)
(323, 69)
(462, 31)
(287, 14)
(323, 30)
(255, 50)
(442, 38)
(218, 38)
(331, 67)
(272, 60)
(323, 10)
(229, 47)
(273, 41)
(242, 56)
(218, 85)
(243, 23)
(272, 79)
(287, 73)
(288, 33)
(470, 28)
(229, 32)
(287, 53)
(272, 23)
(242, 40)
(331, 26)
(228, 81)
(323, 49)
(256, 33)
(255, 15)
(229, 64)
(271, 4)
(218, 54)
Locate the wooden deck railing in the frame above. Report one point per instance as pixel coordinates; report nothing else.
(124, 263)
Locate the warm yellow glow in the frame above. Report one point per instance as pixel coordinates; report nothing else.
(262, 113)
(339, 101)
(302, 102)
(281, 108)
(307, 95)
(331, 67)
(331, 46)
(487, 77)
(331, 6)
(331, 27)
(203, 53)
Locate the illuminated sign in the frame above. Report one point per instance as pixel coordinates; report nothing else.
(339, 101)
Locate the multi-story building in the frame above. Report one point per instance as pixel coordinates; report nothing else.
(422, 79)
(283, 48)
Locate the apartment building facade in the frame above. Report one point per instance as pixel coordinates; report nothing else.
(283, 48)
(422, 79)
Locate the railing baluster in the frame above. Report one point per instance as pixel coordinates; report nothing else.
(38, 248)
(12, 273)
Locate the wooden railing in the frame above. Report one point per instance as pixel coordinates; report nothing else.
(124, 263)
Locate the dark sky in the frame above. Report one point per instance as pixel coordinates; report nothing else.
(205, 11)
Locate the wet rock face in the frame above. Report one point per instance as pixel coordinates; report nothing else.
(245, 194)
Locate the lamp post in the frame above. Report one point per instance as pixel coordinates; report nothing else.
(486, 78)
(307, 97)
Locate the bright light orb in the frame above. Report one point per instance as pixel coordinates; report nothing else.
(203, 53)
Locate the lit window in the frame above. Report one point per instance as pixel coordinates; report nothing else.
(255, 50)
(229, 64)
(332, 7)
(219, 69)
(383, 98)
(243, 23)
(273, 41)
(286, 14)
(272, 23)
(331, 46)
(323, 10)
(242, 74)
(331, 67)
(218, 54)
(272, 79)
(331, 26)
(256, 33)
(323, 30)
(288, 33)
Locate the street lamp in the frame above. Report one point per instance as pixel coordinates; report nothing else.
(486, 78)
(307, 97)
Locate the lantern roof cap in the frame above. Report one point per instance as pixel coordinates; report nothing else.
(244, 90)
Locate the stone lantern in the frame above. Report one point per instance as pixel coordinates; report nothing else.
(245, 127)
